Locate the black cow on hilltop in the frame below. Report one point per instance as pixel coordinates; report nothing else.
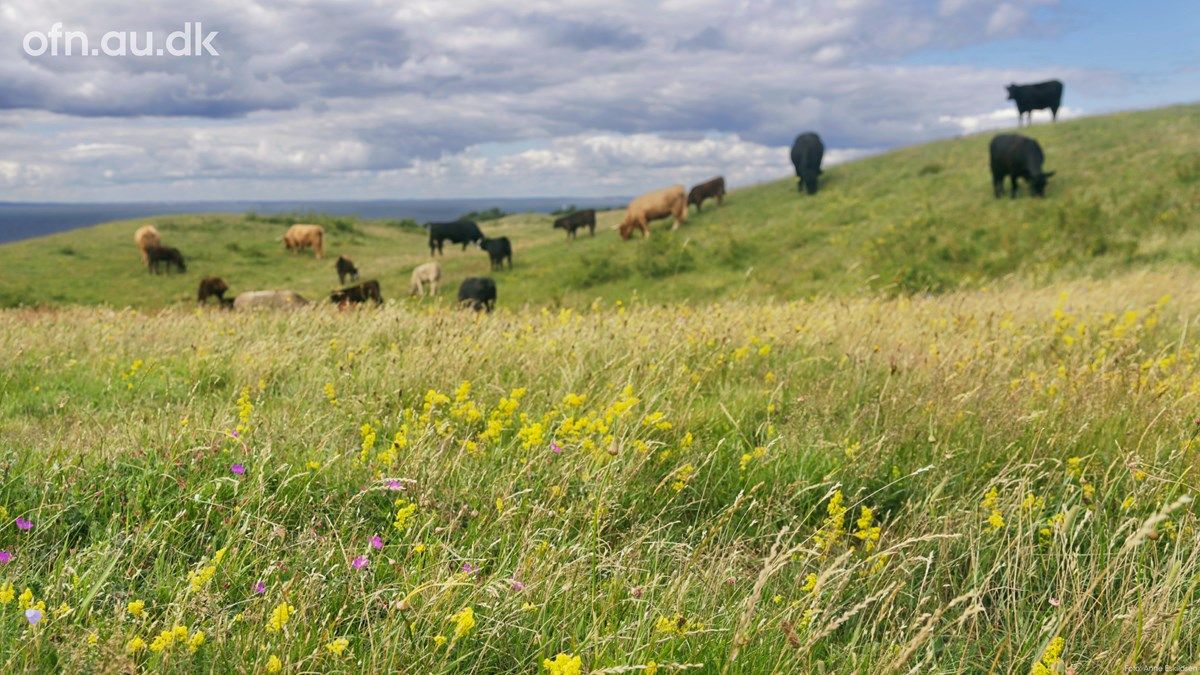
(574, 221)
(498, 249)
(1018, 157)
(709, 189)
(807, 152)
(459, 232)
(478, 293)
(1039, 96)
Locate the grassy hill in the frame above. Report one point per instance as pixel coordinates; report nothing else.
(1126, 196)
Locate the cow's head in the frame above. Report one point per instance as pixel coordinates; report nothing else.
(1012, 91)
(1038, 184)
(808, 180)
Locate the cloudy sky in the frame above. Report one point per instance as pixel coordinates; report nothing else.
(334, 99)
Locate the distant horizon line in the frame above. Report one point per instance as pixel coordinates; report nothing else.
(285, 200)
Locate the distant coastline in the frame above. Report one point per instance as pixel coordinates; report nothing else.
(21, 220)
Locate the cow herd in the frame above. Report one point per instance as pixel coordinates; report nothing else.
(1011, 156)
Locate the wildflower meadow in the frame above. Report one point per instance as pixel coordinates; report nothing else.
(998, 479)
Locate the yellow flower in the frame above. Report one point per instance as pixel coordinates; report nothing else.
(651, 668)
(418, 548)
(279, 617)
(673, 625)
(313, 465)
(93, 638)
(136, 607)
(62, 610)
(1050, 657)
(26, 599)
(573, 400)
(1075, 466)
(810, 583)
(135, 645)
(195, 641)
(7, 593)
(337, 646)
(439, 640)
(989, 499)
(834, 525)
(865, 533)
(995, 521)
(403, 514)
(274, 665)
(464, 621)
(563, 664)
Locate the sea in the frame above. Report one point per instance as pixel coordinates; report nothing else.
(22, 220)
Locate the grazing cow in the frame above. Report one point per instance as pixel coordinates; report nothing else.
(478, 293)
(346, 268)
(212, 287)
(299, 237)
(354, 295)
(156, 256)
(1039, 96)
(426, 273)
(268, 300)
(713, 187)
(652, 206)
(1018, 157)
(497, 249)
(145, 237)
(574, 221)
(459, 232)
(807, 153)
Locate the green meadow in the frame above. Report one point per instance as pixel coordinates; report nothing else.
(899, 427)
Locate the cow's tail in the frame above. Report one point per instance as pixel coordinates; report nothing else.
(320, 244)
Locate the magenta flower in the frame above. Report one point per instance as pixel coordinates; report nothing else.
(377, 542)
(517, 585)
(359, 562)
(5, 557)
(555, 448)
(260, 587)
(234, 433)
(468, 568)
(239, 469)
(33, 616)
(23, 524)
(395, 485)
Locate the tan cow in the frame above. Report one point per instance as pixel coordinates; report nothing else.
(268, 300)
(145, 237)
(652, 206)
(430, 273)
(305, 236)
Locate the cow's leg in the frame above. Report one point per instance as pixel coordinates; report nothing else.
(997, 184)
(1014, 186)
(510, 261)
(592, 227)
(1054, 114)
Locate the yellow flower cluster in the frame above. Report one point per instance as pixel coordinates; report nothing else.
(865, 531)
(834, 525)
(464, 621)
(404, 513)
(279, 617)
(995, 519)
(245, 409)
(1051, 657)
(563, 664)
(336, 647)
(200, 577)
(177, 634)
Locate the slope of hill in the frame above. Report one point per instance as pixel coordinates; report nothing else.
(1127, 195)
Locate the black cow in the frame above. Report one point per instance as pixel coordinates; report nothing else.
(212, 287)
(367, 290)
(1039, 96)
(478, 293)
(346, 268)
(459, 232)
(713, 187)
(498, 249)
(807, 152)
(159, 255)
(1019, 157)
(574, 221)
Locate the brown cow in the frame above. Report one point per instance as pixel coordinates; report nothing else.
(713, 187)
(305, 236)
(212, 287)
(145, 237)
(652, 206)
